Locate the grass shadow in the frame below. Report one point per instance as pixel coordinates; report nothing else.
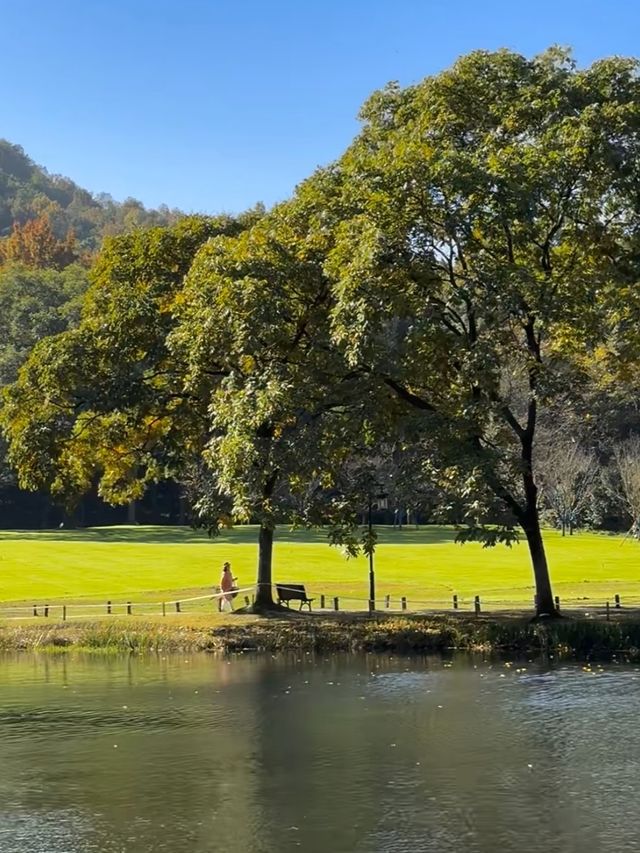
(242, 534)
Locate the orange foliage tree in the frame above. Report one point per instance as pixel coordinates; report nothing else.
(35, 245)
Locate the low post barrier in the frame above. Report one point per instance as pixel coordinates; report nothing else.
(177, 607)
(455, 602)
(322, 602)
(108, 607)
(35, 610)
(46, 610)
(476, 605)
(128, 608)
(608, 611)
(64, 612)
(557, 600)
(387, 601)
(336, 603)
(403, 603)
(164, 608)
(617, 601)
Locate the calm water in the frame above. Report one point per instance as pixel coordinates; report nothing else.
(193, 754)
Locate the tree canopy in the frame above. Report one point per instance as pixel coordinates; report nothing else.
(466, 270)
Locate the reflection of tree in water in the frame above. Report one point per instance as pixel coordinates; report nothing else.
(341, 754)
(180, 778)
(319, 749)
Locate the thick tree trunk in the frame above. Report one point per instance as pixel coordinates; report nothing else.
(544, 594)
(529, 518)
(131, 512)
(264, 595)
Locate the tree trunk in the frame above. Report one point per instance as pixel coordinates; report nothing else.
(530, 520)
(563, 528)
(45, 517)
(264, 596)
(131, 512)
(182, 511)
(544, 594)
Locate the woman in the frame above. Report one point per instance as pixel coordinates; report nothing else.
(227, 585)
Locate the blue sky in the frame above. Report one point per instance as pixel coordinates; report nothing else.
(214, 105)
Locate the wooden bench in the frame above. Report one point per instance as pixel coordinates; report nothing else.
(293, 592)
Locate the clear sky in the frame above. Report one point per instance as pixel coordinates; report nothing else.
(215, 104)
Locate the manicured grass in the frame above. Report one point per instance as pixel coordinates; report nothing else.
(426, 566)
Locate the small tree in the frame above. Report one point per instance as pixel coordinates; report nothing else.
(568, 476)
(623, 479)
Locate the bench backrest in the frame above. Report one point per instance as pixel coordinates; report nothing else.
(291, 591)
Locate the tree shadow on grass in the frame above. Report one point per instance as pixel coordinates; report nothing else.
(240, 535)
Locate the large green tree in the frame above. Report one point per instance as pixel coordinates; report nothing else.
(253, 335)
(487, 223)
(34, 303)
(105, 400)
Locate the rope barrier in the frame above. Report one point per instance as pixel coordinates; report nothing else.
(386, 602)
(128, 604)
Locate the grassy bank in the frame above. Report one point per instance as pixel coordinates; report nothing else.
(581, 638)
(151, 564)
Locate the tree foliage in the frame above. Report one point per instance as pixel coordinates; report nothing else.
(491, 207)
(467, 269)
(35, 245)
(105, 399)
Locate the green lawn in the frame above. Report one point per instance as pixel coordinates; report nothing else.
(426, 566)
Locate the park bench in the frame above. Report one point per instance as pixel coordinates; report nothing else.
(293, 592)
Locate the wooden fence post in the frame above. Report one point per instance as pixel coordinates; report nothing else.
(64, 612)
(608, 612)
(35, 610)
(617, 600)
(476, 605)
(322, 602)
(336, 604)
(247, 601)
(108, 607)
(129, 608)
(387, 601)
(557, 600)
(403, 603)
(455, 602)
(177, 607)
(164, 609)
(46, 610)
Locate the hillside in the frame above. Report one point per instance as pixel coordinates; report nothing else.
(28, 190)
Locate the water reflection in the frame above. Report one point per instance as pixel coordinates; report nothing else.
(342, 754)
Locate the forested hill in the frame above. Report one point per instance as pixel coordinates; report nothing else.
(28, 191)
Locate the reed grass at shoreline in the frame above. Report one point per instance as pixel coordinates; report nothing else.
(571, 637)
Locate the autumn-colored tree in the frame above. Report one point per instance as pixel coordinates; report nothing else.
(35, 245)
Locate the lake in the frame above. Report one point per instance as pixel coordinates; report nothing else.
(186, 754)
